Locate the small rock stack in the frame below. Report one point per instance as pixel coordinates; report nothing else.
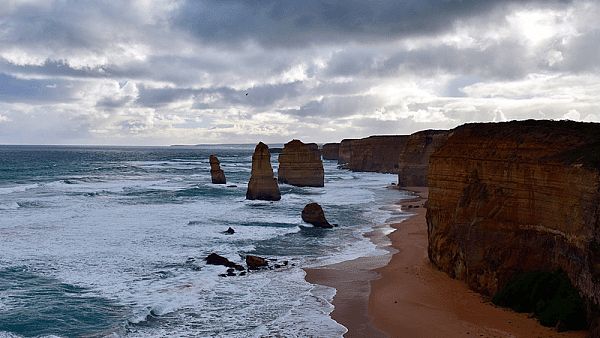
(262, 185)
(217, 175)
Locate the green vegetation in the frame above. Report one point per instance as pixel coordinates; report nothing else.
(551, 296)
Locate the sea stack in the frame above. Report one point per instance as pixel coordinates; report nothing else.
(313, 214)
(217, 175)
(262, 185)
(300, 166)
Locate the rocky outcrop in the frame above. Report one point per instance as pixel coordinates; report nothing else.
(374, 153)
(215, 259)
(513, 197)
(313, 214)
(413, 161)
(255, 262)
(331, 151)
(300, 166)
(217, 175)
(262, 185)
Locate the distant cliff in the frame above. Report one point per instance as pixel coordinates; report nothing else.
(374, 153)
(511, 197)
(331, 151)
(413, 161)
(345, 151)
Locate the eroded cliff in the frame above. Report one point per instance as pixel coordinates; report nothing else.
(413, 161)
(374, 153)
(517, 196)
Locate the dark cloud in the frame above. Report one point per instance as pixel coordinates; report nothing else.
(302, 23)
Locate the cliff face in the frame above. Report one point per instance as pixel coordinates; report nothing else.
(216, 173)
(375, 153)
(331, 151)
(517, 196)
(300, 166)
(262, 185)
(413, 162)
(345, 151)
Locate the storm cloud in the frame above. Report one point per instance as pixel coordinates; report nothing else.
(175, 71)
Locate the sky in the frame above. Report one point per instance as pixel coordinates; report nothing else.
(165, 72)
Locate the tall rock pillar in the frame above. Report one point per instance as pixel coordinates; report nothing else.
(216, 173)
(262, 185)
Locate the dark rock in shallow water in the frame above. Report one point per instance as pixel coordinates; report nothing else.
(215, 259)
(313, 214)
(255, 262)
(230, 231)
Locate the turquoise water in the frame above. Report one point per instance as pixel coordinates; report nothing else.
(110, 241)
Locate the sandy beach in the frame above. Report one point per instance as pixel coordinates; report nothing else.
(409, 297)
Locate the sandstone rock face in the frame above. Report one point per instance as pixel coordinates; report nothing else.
(313, 214)
(345, 151)
(374, 154)
(262, 185)
(300, 166)
(331, 151)
(315, 149)
(217, 175)
(413, 161)
(517, 196)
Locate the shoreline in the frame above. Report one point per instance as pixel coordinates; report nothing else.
(407, 296)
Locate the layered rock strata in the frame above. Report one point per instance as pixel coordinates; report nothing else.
(216, 173)
(300, 166)
(331, 151)
(374, 153)
(513, 197)
(345, 151)
(413, 161)
(262, 185)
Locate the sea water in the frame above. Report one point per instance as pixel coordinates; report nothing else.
(111, 241)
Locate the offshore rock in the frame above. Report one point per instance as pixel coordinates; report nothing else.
(315, 149)
(313, 214)
(331, 151)
(413, 161)
(300, 166)
(255, 262)
(374, 153)
(513, 197)
(262, 185)
(217, 175)
(215, 259)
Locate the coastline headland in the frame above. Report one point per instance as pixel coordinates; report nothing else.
(503, 199)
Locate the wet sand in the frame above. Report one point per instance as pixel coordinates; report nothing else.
(409, 297)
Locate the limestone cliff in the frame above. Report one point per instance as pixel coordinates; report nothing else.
(345, 151)
(262, 185)
(374, 153)
(331, 151)
(216, 173)
(300, 166)
(517, 196)
(413, 161)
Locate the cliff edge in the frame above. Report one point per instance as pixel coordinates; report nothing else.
(518, 196)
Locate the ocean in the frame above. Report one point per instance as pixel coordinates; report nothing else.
(111, 241)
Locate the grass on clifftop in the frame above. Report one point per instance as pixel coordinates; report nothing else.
(551, 296)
